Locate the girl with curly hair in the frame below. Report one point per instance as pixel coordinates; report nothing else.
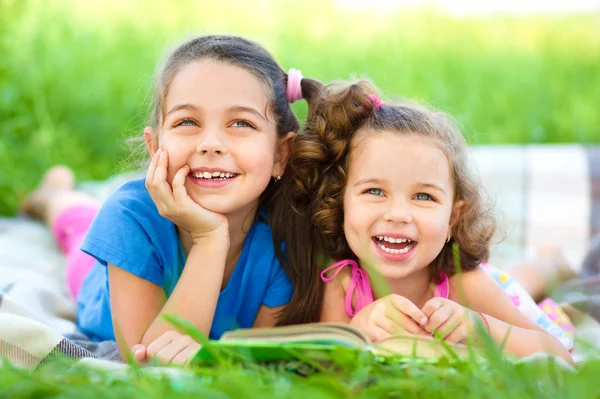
(386, 192)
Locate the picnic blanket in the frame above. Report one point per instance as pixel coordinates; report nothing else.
(37, 316)
(542, 194)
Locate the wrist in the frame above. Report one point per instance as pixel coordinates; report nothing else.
(479, 318)
(218, 235)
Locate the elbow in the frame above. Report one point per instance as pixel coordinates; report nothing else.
(551, 346)
(560, 351)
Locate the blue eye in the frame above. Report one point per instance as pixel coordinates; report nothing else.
(374, 191)
(423, 197)
(186, 122)
(242, 124)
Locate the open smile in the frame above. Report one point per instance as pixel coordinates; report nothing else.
(211, 178)
(394, 248)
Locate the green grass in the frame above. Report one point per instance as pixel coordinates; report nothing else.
(360, 377)
(351, 374)
(74, 75)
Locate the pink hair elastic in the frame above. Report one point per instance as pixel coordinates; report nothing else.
(377, 103)
(294, 89)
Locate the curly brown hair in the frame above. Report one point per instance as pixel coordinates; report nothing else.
(316, 178)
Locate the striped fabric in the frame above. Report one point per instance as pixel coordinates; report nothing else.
(543, 194)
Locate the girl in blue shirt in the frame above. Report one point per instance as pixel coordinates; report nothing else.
(192, 238)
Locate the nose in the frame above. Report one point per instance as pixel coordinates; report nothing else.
(398, 211)
(211, 142)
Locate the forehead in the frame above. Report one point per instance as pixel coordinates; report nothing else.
(402, 157)
(213, 84)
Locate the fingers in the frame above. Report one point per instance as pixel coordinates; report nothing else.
(183, 356)
(409, 309)
(152, 167)
(177, 350)
(400, 323)
(179, 191)
(376, 333)
(160, 173)
(441, 313)
(172, 347)
(458, 333)
(139, 353)
(156, 182)
(160, 342)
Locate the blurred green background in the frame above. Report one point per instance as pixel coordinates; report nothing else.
(75, 75)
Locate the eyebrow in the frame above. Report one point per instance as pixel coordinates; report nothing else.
(367, 181)
(241, 108)
(179, 107)
(433, 186)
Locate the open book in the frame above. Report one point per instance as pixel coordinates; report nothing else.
(318, 342)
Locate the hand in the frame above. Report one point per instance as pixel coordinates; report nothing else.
(174, 203)
(171, 347)
(390, 315)
(139, 353)
(452, 321)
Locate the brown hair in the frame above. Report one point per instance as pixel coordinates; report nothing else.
(252, 57)
(317, 170)
(239, 52)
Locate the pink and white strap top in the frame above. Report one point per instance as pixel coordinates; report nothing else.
(360, 286)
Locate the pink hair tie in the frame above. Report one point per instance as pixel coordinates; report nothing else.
(294, 89)
(377, 103)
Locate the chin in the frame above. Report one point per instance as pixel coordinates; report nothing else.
(214, 204)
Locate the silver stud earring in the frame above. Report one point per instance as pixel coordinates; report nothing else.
(277, 178)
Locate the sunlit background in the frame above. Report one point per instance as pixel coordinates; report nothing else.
(74, 75)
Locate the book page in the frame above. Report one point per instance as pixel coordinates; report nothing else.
(331, 333)
(419, 346)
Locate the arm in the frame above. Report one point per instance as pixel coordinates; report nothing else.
(266, 316)
(138, 305)
(380, 319)
(333, 302)
(477, 291)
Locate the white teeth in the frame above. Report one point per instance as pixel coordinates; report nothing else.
(393, 240)
(213, 175)
(395, 251)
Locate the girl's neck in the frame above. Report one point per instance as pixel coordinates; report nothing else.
(240, 223)
(416, 287)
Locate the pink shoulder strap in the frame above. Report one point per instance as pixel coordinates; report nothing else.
(359, 286)
(442, 289)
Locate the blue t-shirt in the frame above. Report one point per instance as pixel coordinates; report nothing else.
(128, 232)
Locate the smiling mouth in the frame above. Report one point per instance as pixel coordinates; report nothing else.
(393, 245)
(213, 175)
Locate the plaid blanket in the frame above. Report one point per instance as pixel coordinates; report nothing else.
(542, 194)
(37, 316)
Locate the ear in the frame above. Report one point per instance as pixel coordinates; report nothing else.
(457, 210)
(151, 140)
(282, 154)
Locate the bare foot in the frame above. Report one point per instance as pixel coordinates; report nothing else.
(556, 258)
(57, 179)
(542, 274)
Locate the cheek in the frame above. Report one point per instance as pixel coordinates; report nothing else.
(256, 158)
(357, 221)
(437, 226)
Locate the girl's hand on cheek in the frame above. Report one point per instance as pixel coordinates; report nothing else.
(174, 203)
(389, 316)
(452, 321)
